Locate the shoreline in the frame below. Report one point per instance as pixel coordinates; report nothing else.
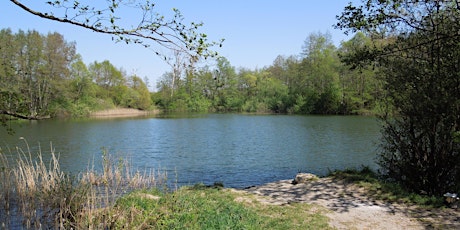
(350, 206)
(122, 112)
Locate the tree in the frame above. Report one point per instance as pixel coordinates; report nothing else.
(271, 93)
(81, 81)
(33, 70)
(139, 93)
(225, 86)
(53, 85)
(178, 64)
(151, 30)
(419, 64)
(320, 76)
(9, 84)
(359, 84)
(111, 80)
(81, 94)
(285, 70)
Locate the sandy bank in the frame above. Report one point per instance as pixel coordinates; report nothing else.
(122, 112)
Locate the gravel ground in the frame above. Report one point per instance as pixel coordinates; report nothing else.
(350, 208)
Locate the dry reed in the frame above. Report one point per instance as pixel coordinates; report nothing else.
(37, 195)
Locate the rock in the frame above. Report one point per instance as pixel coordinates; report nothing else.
(452, 199)
(304, 178)
(149, 196)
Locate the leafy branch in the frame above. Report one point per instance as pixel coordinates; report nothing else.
(387, 18)
(396, 20)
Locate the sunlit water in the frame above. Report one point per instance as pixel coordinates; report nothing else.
(238, 150)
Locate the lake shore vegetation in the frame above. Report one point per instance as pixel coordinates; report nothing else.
(402, 64)
(35, 194)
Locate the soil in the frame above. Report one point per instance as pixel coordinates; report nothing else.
(349, 207)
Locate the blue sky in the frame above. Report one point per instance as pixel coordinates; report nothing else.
(255, 32)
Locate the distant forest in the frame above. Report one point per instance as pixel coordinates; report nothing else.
(44, 76)
(315, 81)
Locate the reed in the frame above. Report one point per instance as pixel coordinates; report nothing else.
(5, 192)
(36, 195)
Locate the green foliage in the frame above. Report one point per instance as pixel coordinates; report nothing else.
(140, 95)
(427, 99)
(316, 83)
(34, 71)
(327, 103)
(304, 104)
(199, 104)
(41, 76)
(418, 62)
(360, 87)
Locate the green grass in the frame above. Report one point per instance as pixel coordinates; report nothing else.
(201, 207)
(380, 189)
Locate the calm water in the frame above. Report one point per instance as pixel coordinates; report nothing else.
(238, 150)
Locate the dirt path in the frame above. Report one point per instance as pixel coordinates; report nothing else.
(351, 208)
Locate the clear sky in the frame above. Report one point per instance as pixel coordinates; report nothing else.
(255, 31)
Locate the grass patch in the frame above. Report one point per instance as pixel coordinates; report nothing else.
(204, 207)
(381, 189)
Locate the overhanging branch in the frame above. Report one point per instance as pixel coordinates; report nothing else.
(171, 34)
(80, 24)
(17, 115)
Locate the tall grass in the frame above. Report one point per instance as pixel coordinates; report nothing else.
(36, 195)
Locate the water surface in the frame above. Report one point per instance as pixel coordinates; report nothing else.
(238, 150)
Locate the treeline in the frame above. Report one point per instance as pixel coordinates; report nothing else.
(314, 82)
(43, 76)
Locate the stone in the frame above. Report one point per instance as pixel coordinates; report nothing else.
(452, 199)
(149, 196)
(304, 178)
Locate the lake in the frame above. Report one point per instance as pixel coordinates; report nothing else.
(236, 149)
